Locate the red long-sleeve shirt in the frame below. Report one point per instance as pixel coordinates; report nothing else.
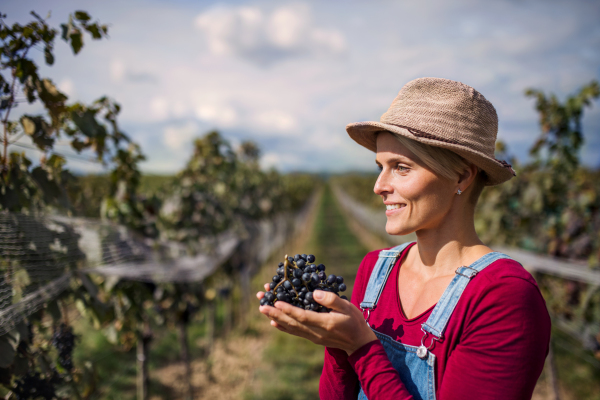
(494, 346)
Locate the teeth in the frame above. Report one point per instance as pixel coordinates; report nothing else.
(393, 206)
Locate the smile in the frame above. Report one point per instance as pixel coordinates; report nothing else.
(389, 207)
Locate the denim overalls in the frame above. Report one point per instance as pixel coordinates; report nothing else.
(415, 364)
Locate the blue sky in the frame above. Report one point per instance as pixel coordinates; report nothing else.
(291, 75)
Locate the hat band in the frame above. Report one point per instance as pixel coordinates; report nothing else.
(426, 135)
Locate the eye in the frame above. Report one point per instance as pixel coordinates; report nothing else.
(400, 169)
(379, 167)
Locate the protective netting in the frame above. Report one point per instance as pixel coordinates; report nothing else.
(39, 254)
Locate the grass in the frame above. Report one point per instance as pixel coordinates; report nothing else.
(115, 369)
(292, 366)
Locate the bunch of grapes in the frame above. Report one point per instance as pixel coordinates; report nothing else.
(64, 341)
(35, 386)
(296, 280)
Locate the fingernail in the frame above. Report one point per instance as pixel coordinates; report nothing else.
(318, 294)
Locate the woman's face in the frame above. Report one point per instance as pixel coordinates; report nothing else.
(414, 196)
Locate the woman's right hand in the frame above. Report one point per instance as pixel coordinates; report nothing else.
(343, 328)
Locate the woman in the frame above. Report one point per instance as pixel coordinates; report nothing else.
(447, 317)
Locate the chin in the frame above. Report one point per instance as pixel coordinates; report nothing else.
(396, 230)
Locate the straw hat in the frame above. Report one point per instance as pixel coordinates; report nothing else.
(442, 113)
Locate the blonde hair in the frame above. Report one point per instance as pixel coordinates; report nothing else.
(445, 163)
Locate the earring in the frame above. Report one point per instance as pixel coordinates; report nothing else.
(459, 192)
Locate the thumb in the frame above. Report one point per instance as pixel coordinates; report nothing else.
(329, 300)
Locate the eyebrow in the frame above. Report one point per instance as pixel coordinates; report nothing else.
(394, 160)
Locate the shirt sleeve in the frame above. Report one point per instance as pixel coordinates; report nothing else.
(503, 347)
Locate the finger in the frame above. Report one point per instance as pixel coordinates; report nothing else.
(267, 287)
(298, 314)
(288, 323)
(330, 300)
(260, 295)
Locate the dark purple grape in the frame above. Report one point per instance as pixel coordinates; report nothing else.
(340, 280)
(280, 265)
(322, 275)
(306, 277)
(309, 297)
(263, 301)
(269, 296)
(321, 267)
(276, 278)
(272, 285)
(297, 273)
(280, 271)
(296, 282)
(342, 287)
(287, 285)
(303, 256)
(297, 257)
(331, 279)
(314, 279)
(291, 259)
(343, 297)
(301, 263)
(310, 258)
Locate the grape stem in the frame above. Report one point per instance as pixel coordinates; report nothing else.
(286, 263)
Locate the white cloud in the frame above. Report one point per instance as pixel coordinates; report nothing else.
(117, 70)
(176, 137)
(159, 107)
(67, 87)
(224, 116)
(264, 37)
(274, 121)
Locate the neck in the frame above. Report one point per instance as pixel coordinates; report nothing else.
(451, 243)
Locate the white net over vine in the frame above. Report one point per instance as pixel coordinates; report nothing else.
(39, 256)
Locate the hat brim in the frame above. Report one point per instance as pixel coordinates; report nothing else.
(365, 134)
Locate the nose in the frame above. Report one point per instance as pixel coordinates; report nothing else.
(382, 185)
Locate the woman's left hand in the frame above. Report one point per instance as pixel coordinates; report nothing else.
(342, 328)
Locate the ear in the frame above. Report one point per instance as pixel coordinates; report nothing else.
(468, 176)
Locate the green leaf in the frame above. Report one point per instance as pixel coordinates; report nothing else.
(94, 30)
(76, 40)
(8, 348)
(82, 16)
(65, 32)
(87, 124)
(48, 55)
(39, 131)
(25, 68)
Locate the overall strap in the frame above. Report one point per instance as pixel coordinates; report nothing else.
(379, 276)
(437, 321)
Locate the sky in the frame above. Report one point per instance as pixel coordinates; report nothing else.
(291, 75)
